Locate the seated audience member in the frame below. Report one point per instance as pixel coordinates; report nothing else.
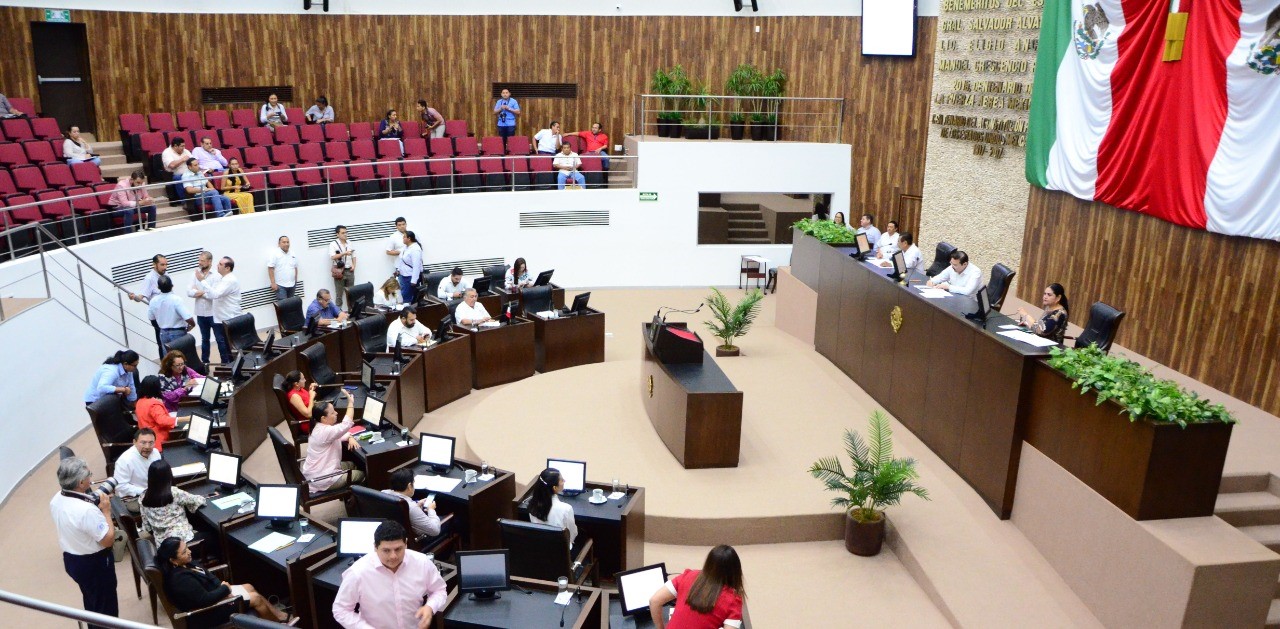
(235, 186)
(165, 507)
(422, 514)
(323, 466)
(517, 278)
(272, 114)
(838, 219)
(388, 294)
(866, 226)
(961, 277)
(190, 587)
(132, 468)
(209, 158)
(177, 380)
(321, 112)
(471, 312)
(116, 375)
(568, 163)
(710, 598)
(548, 140)
(394, 586)
(389, 128)
(168, 314)
(597, 143)
(7, 110)
(408, 330)
(151, 412)
(175, 157)
(432, 121)
(302, 398)
(197, 186)
(888, 241)
(545, 506)
(324, 308)
(130, 198)
(1052, 324)
(910, 252)
(507, 110)
(76, 150)
(452, 287)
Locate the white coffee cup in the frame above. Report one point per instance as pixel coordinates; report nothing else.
(470, 476)
(597, 494)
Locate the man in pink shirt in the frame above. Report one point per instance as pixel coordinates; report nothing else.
(324, 468)
(130, 202)
(389, 585)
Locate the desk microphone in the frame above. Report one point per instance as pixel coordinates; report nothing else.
(671, 310)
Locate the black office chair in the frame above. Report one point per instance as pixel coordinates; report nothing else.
(1101, 327)
(497, 275)
(373, 334)
(129, 524)
(187, 345)
(315, 362)
(371, 503)
(359, 292)
(431, 281)
(114, 426)
(282, 398)
(249, 621)
(290, 316)
(535, 299)
(291, 469)
(65, 453)
(215, 615)
(242, 334)
(998, 286)
(541, 551)
(941, 259)
(453, 307)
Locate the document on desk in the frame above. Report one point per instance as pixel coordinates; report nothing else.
(1010, 327)
(490, 324)
(272, 542)
(190, 469)
(438, 484)
(933, 293)
(563, 598)
(547, 314)
(617, 495)
(238, 498)
(1029, 339)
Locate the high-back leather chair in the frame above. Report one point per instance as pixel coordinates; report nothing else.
(1101, 327)
(360, 292)
(241, 333)
(541, 551)
(372, 503)
(316, 362)
(535, 299)
(127, 523)
(187, 345)
(998, 286)
(214, 615)
(373, 334)
(291, 469)
(432, 281)
(941, 259)
(289, 315)
(282, 398)
(497, 275)
(114, 427)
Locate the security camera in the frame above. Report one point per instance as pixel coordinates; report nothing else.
(738, 4)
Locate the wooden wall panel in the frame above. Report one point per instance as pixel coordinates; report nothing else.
(1203, 304)
(367, 64)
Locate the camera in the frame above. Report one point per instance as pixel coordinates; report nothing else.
(107, 488)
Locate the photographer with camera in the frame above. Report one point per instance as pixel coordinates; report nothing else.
(82, 518)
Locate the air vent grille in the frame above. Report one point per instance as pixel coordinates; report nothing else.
(567, 218)
(242, 95)
(136, 270)
(363, 231)
(536, 90)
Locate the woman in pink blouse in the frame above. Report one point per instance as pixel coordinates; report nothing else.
(324, 468)
(176, 379)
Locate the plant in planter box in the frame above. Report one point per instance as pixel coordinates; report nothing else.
(877, 480)
(740, 83)
(774, 86)
(681, 87)
(706, 125)
(660, 84)
(732, 321)
(826, 231)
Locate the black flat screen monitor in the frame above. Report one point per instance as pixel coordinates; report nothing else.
(860, 240)
(267, 345)
(355, 536)
(635, 587)
(209, 391)
(580, 303)
(278, 502)
(366, 375)
(373, 410)
(398, 354)
(481, 284)
(224, 469)
(984, 305)
(357, 306)
(442, 332)
(544, 278)
(482, 573)
(313, 323)
(436, 450)
(899, 265)
(198, 431)
(573, 472)
(236, 367)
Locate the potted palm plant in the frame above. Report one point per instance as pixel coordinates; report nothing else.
(774, 86)
(660, 84)
(706, 118)
(877, 480)
(681, 86)
(738, 84)
(732, 321)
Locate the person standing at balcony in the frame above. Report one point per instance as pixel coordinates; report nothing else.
(508, 112)
(432, 121)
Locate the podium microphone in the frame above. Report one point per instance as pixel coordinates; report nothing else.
(671, 310)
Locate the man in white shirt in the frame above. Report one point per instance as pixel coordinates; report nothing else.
(407, 330)
(132, 466)
(422, 514)
(168, 313)
(548, 140)
(866, 225)
(568, 163)
(395, 242)
(961, 277)
(150, 288)
(471, 312)
(208, 157)
(174, 159)
(199, 188)
(910, 252)
(282, 270)
(453, 287)
(225, 293)
(85, 534)
(390, 585)
(203, 303)
(888, 244)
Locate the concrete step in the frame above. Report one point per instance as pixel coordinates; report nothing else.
(1273, 615)
(107, 148)
(1239, 483)
(1251, 508)
(748, 241)
(747, 223)
(748, 233)
(1267, 535)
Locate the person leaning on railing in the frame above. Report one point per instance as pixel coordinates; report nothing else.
(129, 198)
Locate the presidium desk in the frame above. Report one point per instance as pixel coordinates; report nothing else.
(691, 403)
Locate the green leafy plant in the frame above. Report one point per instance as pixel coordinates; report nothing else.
(732, 321)
(1139, 394)
(826, 231)
(741, 82)
(877, 480)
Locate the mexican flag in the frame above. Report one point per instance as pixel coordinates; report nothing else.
(1194, 141)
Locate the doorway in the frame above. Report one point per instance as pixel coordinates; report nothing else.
(61, 53)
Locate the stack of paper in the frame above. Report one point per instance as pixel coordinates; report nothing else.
(490, 324)
(238, 498)
(272, 542)
(933, 293)
(437, 484)
(190, 469)
(547, 314)
(1029, 339)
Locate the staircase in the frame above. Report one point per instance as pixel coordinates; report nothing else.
(746, 224)
(1251, 503)
(114, 166)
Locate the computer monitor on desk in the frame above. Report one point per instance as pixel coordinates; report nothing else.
(580, 303)
(266, 349)
(574, 474)
(198, 431)
(209, 391)
(863, 245)
(224, 469)
(373, 411)
(899, 266)
(481, 284)
(313, 324)
(279, 504)
(482, 573)
(436, 451)
(366, 378)
(635, 587)
(984, 306)
(355, 536)
(237, 366)
(544, 278)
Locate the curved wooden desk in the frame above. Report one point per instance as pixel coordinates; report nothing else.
(694, 408)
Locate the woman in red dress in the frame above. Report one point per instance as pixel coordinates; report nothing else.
(710, 598)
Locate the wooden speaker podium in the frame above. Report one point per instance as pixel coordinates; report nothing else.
(691, 403)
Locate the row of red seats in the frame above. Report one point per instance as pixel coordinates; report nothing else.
(60, 215)
(50, 176)
(390, 168)
(215, 119)
(14, 154)
(23, 129)
(156, 141)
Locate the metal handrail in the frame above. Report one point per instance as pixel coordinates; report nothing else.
(78, 615)
(714, 110)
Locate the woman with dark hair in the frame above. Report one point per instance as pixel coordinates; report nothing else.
(710, 598)
(1053, 323)
(302, 398)
(176, 379)
(190, 587)
(324, 468)
(545, 506)
(409, 268)
(518, 276)
(432, 121)
(321, 112)
(165, 507)
(116, 375)
(151, 411)
(236, 186)
(389, 128)
(838, 219)
(272, 114)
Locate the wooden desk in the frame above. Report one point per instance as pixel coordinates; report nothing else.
(253, 405)
(502, 354)
(281, 573)
(568, 341)
(378, 459)
(616, 527)
(325, 577)
(475, 507)
(517, 610)
(405, 395)
(693, 407)
(557, 295)
(448, 370)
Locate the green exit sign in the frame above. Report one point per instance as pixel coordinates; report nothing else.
(57, 15)
(648, 196)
